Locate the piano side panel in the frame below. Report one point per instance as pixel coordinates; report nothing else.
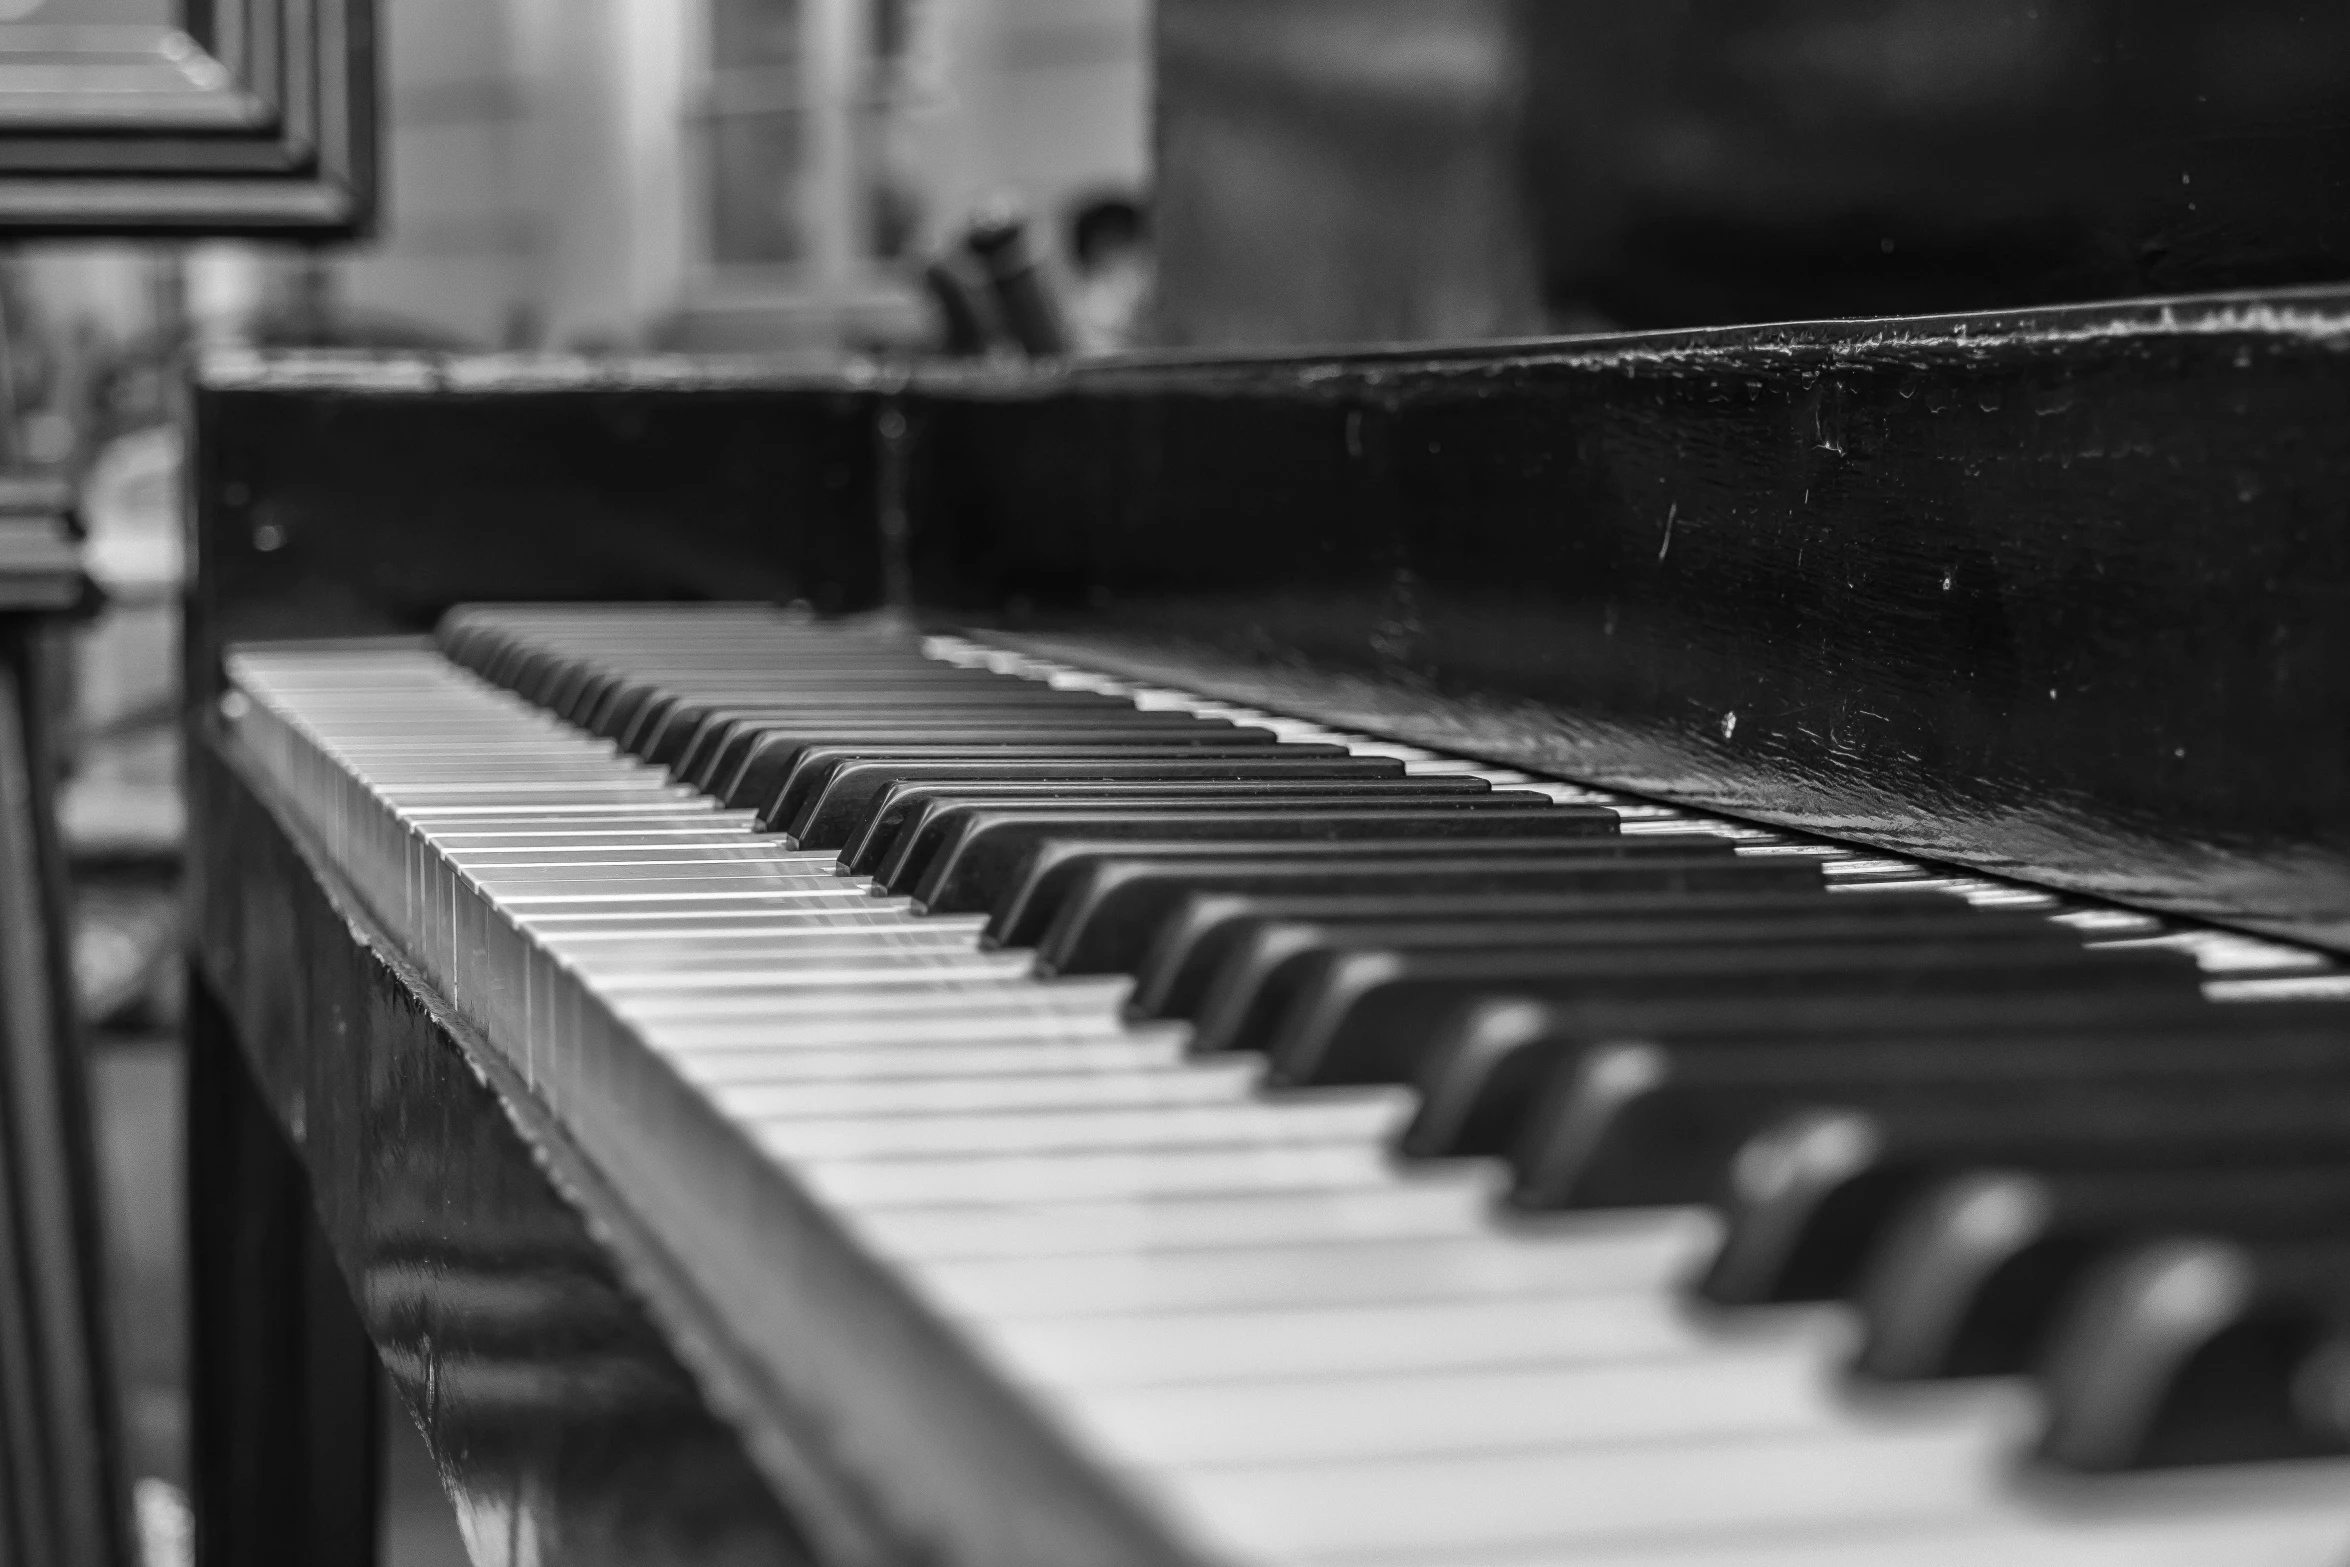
(354, 494)
(487, 1273)
(2061, 594)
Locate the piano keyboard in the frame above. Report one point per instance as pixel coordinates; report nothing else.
(1139, 1129)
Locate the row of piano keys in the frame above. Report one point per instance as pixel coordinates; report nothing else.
(1320, 1000)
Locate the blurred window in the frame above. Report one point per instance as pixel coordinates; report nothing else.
(758, 143)
(804, 133)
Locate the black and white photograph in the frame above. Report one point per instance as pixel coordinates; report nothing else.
(1174, 783)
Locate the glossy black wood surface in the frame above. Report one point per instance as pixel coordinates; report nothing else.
(509, 1297)
(2060, 595)
(357, 495)
(256, 117)
(284, 1443)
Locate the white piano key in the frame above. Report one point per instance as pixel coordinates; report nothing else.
(940, 1019)
(673, 918)
(1100, 1048)
(2302, 1530)
(1947, 1473)
(854, 994)
(865, 1184)
(1370, 1118)
(771, 1103)
(1438, 1201)
(1333, 1272)
(1307, 1353)
(1143, 1349)
(726, 954)
(780, 971)
(1386, 1415)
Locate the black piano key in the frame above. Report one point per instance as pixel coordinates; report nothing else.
(1641, 1122)
(719, 757)
(726, 731)
(1189, 938)
(1484, 1075)
(914, 849)
(1364, 1017)
(594, 687)
(977, 851)
(617, 714)
(693, 730)
(556, 692)
(1061, 870)
(903, 806)
(1176, 946)
(1971, 1275)
(1808, 1197)
(1190, 924)
(717, 764)
(460, 637)
(2198, 1349)
(852, 788)
(776, 752)
(523, 668)
(845, 779)
(936, 833)
(1271, 968)
(672, 712)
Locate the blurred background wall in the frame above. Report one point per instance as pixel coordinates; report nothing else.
(701, 173)
(1352, 170)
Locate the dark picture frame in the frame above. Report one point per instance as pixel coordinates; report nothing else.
(251, 117)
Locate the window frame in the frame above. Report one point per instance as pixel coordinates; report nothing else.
(252, 117)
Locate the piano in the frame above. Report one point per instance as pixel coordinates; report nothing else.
(1702, 948)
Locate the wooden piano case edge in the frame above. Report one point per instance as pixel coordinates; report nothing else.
(2053, 594)
(398, 1111)
(340, 493)
(428, 1171)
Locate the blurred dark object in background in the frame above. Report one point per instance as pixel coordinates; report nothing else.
(1341, 170)
(1110, 265)
(993, 293)
(966, 316)
(999, 241)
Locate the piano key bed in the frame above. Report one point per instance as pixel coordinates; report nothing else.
(1194, 1135)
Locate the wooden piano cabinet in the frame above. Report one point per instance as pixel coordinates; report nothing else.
(368, 1181)
(283, 1382)
(2057, 594)
(358, 495)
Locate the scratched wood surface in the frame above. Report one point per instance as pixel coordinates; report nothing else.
(2059, 594)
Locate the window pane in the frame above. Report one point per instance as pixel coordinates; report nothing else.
(754, 32)
(890, 198)
(755, 177)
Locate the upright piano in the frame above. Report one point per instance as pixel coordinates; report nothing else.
(1715, 947)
